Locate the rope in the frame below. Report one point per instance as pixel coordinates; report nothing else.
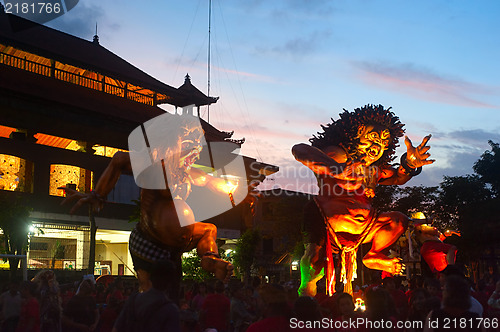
(348, 257)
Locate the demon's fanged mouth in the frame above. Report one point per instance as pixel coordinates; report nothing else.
(190, 159)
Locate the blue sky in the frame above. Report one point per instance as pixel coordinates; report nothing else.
(283, 67)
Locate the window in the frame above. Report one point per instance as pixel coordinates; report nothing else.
(69, 176)
(16, 174)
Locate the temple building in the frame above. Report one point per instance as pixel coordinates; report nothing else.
(67, 105)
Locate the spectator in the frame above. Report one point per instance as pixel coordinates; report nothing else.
(100, 296)
(240, 316)
(398, 297)
(307, 311)
(346, 307)
(151, 310)
(251, 301)
(418, 308)
(50, 301)
(115, 295)
(414, 283)
(81, 312)
(274, 307)
(215, 310)
(433, 287)
(494, 300)
(455, 305)
(11, 307)
(188, 317)
(481, 295)
(198, 299)
(379, 305)
(328, 304)
(454, 270)
(29, 320)
(68, 294)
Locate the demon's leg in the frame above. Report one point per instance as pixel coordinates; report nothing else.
(204, 236)
(311, 271)
(388, 228)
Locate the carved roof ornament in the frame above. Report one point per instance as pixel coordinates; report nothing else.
(96, 37)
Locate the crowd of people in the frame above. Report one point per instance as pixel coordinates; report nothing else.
(449, 302)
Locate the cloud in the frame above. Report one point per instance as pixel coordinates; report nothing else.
(257, 77)
(297, 47)
(459, 164)
(81, 21)
(465, 139)
(292, 176)
(270, 133)
(475, 137)
(422, 83)
(193, 65)
(291, 8)
(455, 153)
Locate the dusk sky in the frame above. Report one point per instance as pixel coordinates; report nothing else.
(283, 67)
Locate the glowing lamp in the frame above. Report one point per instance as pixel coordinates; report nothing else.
(229, 186)
(359, 304)
(418, 215)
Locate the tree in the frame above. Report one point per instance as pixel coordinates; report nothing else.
(471, 203)
(416, 199)
(244, 255)
(285, 216)
(14, 221)
(191, 268)
(384, 199)
(488, 166)
(458, 194)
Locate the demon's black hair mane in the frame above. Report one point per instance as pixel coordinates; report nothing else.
(344, 131)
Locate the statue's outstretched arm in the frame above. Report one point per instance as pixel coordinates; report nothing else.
(332, 161)
(120, 164)
(202, 179)
(411, 163)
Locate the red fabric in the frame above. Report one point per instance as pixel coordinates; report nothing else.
(271, 324)
(330, 268)
(434, 254)
(30, 311)
(216, 309)
(116, 295)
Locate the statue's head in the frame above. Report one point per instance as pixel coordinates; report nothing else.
(424, 232)
(190, 145)
(373, 141)
(175, 143)
(369, 134)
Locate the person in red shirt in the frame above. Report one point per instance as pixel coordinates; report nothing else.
(399, 298)
(274, 308)
(29, 320)
(215, 310)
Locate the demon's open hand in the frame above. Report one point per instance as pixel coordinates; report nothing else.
(92, 199)
(418, 156)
